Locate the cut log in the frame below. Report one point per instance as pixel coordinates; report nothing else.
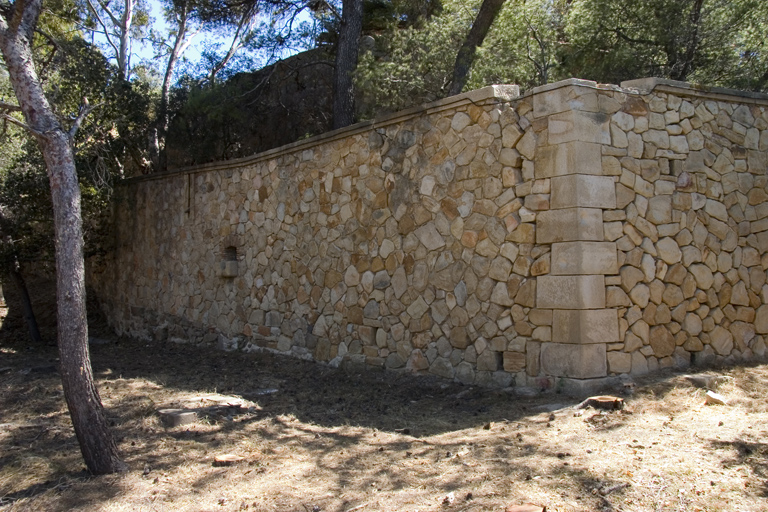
(227, 459)
(525, 508)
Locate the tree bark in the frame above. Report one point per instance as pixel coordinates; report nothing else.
(99, 450)
(346, 62)
(26, 306)
(466, 56)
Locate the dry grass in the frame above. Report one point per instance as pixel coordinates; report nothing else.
(328, 441)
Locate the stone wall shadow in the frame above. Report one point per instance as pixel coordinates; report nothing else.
(422, 405)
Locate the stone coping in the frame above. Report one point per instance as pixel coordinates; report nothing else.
(647, 85)
(479, 96)
(650, 84)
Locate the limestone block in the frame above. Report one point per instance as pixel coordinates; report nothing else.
(575, 361)
(669, 251)
(569, 258)
(662, 341)
(578, 190)
(570, 97)
(570, 292)
(639, 364)
(659, 210)
(761, 320)
(488, 361)
(585, 326)
(703, 275)
(228, 269)
(532, 358)
(721, 340)
(568, 158)
(619, 362)
(429, 236)
(514, 361)
(569, 224)
(579, 126)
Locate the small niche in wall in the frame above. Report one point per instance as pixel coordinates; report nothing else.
(229, 262)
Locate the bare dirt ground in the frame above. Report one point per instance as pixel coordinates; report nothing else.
(316, 439)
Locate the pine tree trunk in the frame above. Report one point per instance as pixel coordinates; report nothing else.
(346, 62)
(99, 450)
(466, 56)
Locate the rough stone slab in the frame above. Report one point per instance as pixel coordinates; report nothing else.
(585, 326)
(569, 224)
(587, 387)
(574, 361)
(579, 126)
(578, 190)
(570, 292)
(568, 158)
(570, 258)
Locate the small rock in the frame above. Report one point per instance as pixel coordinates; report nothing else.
(449, 498)
(703, 381)
(715, 398)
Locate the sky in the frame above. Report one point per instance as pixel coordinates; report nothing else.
(143, 51)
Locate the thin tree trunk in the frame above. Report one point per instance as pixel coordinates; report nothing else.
(123, 59)
(160, 134)
(346, 62)
(88, 419)
(26, 306)
(466, 56)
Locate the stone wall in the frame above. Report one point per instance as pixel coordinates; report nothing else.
(558, 238)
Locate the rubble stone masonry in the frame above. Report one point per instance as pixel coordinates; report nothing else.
(559, 238)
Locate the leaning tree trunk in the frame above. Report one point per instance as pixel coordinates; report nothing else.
(346, 62)
(17, 26)
(466, 56)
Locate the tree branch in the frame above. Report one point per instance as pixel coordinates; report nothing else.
(85, 109)
(9, 107)
(25, 126)
(103, 25)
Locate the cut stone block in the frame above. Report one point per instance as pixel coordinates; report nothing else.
(574, 361)
(568, 158)
(585, 326)
(571, 94)
(569, 224)
(570, 292)
(579, 126)
(581, 190)
(569, 258)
